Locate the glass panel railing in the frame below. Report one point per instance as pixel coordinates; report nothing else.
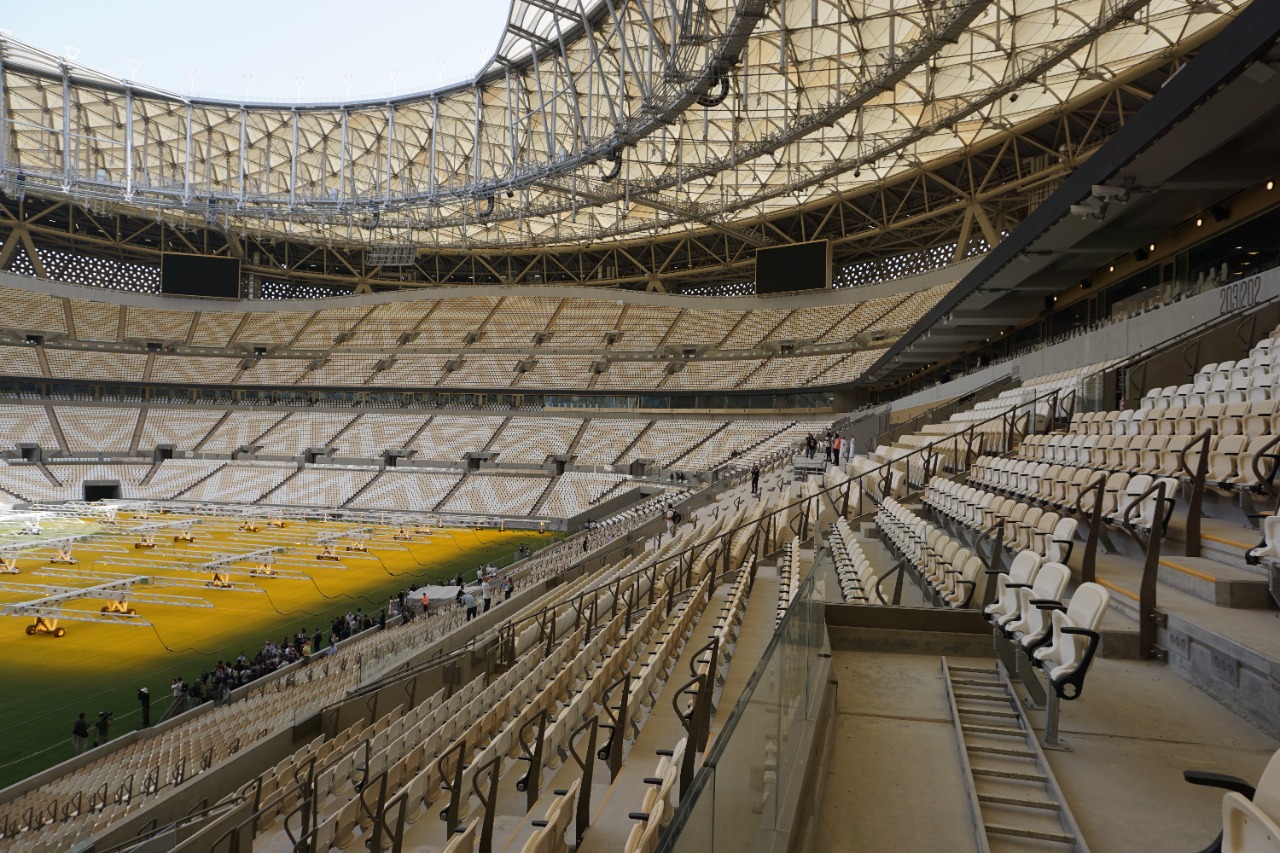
(739, 795)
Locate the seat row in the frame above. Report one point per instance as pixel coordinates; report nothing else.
(1059, 639)
(660, 801)
(950, 570)
(1025, 527)
(788, 578)
(1251, 418)
(1062, 487)
(858, 583)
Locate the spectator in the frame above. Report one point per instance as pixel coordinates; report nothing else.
(469, 602)
(80, 734)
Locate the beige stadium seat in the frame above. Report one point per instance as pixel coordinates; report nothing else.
(1250, 816)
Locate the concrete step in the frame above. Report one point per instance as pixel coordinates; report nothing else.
(1233, 654)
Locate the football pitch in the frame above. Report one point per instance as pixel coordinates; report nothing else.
(100, 666)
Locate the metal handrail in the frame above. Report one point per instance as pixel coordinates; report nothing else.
(1197, 478)
(1148, 615)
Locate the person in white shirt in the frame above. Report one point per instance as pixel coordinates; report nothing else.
(486, 593)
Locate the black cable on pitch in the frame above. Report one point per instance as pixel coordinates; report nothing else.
(281, 612)
(171, 650)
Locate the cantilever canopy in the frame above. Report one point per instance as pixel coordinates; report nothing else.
(1208, 135)
(592, 120)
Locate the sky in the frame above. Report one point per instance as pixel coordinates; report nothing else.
(270, 50)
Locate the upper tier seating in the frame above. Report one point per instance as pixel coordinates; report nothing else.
(544, 331)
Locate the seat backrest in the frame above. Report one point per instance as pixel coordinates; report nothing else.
(1063, 532)
(1024, 567)
(1267, 797)
(1088, 606)
(1085, 610)
(1050, 581)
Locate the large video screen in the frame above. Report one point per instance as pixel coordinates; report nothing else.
(803, 266)
(200, 275)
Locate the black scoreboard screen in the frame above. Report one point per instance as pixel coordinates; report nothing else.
(803, 266)
(200, 275)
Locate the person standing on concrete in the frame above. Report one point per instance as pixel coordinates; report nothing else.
(80, 734)
(486, 593)
(469, 602)
(144, 699)
(755, 478)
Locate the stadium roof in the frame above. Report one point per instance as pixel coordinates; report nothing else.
(592, 121)
(1208, 135)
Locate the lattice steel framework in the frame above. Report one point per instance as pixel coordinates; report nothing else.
(921, 217)
(699, 120)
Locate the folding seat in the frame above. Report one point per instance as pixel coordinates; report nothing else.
(1151, 399)
(1180, 396)
(1073, 480)
(1012, 518)
(1268, 553)
(1022, 571)
(1168, 423)
(1033, 480)
(1250, 816)
(959, 586)
(1240, 372)
(1148, 512)
(1098, 453)
(1249, 465)
(1047, 483)
(1107, 424)
(1223, 370)
(1144, 422)
(1024, 528)
(1132, 458)
(1027, 624)
(1059, 544)
(1039, 535)
(1112, 491)
(1186, 423)
(1120, 424)
(1073, 639)
(1231, 422)
(1260, 418)
(1209, 416)
(1222, 461)
(1218, 388)
(1114, 460)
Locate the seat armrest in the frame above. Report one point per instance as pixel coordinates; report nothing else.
(1219, 780)
(538, 823)
(638, 815)
(1047, 604)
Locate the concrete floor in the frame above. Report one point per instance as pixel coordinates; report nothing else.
(895, 781)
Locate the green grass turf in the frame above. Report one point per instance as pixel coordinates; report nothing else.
(45, 682)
